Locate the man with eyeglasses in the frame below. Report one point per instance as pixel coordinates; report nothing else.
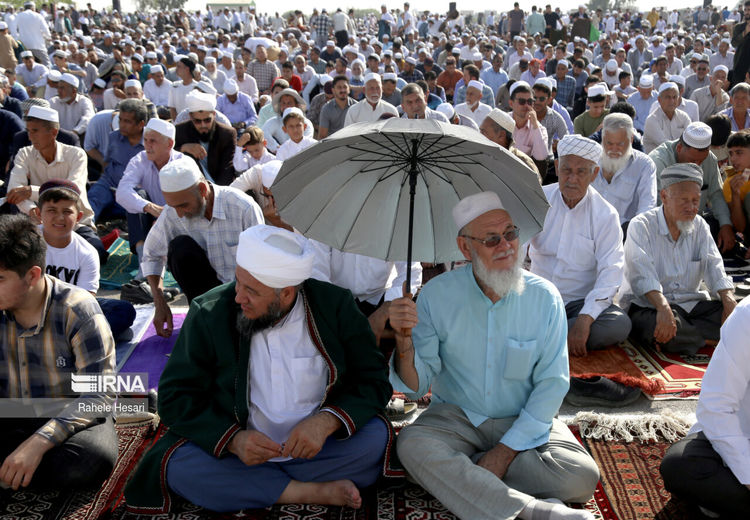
(207, 141)
(580, 249)
(550, 120)
(530, 136)
(699, 79)
(489, 443)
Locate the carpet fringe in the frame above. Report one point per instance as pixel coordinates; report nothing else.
(665, 426)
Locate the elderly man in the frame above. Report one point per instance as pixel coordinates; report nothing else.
(372, 107)
(473, 107)
(699, 78)
(627, 177)
(262, 70)
(316, 442)
(713, 98)
(207, 141)
(693, 146)
(498, 127)
(489, 445)
(580, 249)
(74, 110)
(333, 113)
(414, 105)
(739, 111)
(666, 122)
(43, 319)
(273, 128)
(529, 134)
(138, 191)
(157, 88)
(709, 467)
(668, 253)
(237, 106)
(642, 101)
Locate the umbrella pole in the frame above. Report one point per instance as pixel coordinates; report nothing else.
(412, 193)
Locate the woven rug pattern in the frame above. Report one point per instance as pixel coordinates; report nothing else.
(122, 266)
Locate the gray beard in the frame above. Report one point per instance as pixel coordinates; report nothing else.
(613, 166)
(685, 226)
(501, 282)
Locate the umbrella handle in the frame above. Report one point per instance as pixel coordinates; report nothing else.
(406, 332)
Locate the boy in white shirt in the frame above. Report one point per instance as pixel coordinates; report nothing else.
(294, 126)
(251, 150)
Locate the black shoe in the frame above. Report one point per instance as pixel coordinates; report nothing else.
(136, 292)
(600, 391)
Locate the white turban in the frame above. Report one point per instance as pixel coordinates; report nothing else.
(269, 172)
(475, 205)
(277, 258)
(200, 102)
(574, 144)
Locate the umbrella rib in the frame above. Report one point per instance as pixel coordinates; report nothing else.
(435, 165)
(439, 138)
(404, 152)
(442, 149)
(436, 173)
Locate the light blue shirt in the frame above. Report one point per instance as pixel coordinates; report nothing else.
(493, 79)
(642, 108)
(557, 107)
(241, 111)
(507, 359)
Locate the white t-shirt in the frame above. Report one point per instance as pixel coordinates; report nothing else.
(77, 263)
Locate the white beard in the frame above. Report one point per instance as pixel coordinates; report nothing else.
(685, 226)
(614, 165)
(501, 282)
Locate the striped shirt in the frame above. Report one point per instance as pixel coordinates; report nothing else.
(263, 73)
(72, 336)
(232, 213)
(656, 262)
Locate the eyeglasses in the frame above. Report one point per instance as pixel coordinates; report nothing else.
(541, 99)
(525, 101)
(208, 120)
(494, 240)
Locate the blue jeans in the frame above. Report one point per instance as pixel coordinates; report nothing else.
(102, 198)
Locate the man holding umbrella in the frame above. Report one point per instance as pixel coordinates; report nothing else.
(489, 443)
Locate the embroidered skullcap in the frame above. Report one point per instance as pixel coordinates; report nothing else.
(292, 110)
(275, 257)
(390, 76)
(371, 76)
(208, 60)
(516, 85)
(411, 61)
(547, 82)
(269, 171)
(598, 89)
(612, 65)
(151, 55)
(681, 172)
(447, 110)
(178, 175)
(132, 83)
(680, 80)
(574, 144)
(475, 84)
(231, 87)
(200, 102)
(475, 205)
(64, 184)
(504, 119)
(137, 57)
(43, 113)
(99, 82)
(70, 79)
(647, 81)
(477, 56)
(162, 127)
(721, 67)
(667, 86)
(330, 43)
(697, 135)
(564, 62)
(155, 69)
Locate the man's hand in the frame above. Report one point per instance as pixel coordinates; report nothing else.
(498, 459)
(162, 318)
(378, 320)
(253, 447)
(153, 209)
(18, 195)
(194, 149)
(728, 302)
(531, 117)
(736, 183)
(19, 467)
(307, 438)
(578, 335)
(666, 326)
(403, 315)
(725, 239)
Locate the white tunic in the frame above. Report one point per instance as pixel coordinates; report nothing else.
(632, 189)
(158, 95)
(363, 112)
(659, 128)
(477, 115)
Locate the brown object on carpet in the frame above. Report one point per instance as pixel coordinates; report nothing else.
(613, 363)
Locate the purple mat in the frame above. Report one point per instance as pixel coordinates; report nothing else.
(150, 355)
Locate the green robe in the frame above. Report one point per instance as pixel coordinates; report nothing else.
(202, 392)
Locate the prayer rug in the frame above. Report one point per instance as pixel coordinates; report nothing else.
(122, 266)
(152, 352)
(613, 363)
(680, 375)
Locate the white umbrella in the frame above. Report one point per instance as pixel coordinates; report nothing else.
(386, 189)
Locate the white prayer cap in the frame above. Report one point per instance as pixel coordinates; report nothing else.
(475, 205)
(227, 55)
(200, 102)
(390, 76)
(371, 76)
(475, 84)
(180, 174)
(292, 110)
(674, 78)
(59, 53)
(411, 61)
(209, 59)
(70, 79)
(132, 83)
(231, 87)
(477, 56)
(151, 55)
(330, 43)
(503, 119)
(155, 69)
(43, 113)
(54, 75)
(269, 171)
(647, 81)
(564, 62)
(99, 82)
(27, 54)
(681, 172)
(598, 89)
(574, 144)
(516, 85)
(668, 85)
(3, 26)
(388, 52)
(612, 65)
(447, 110)
(325, 78)
(398, 55)
(137, 57)
(162, 127)
(275, 257)
(547, 82)
(697, 135)
(721, 67)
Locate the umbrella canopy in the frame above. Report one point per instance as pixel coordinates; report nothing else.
(352, 190)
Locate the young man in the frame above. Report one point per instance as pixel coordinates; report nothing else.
(69, 257)
(625, 88)
(590, 121)
(737, 185)
(294, 127)
(41, 319)
(251, 150)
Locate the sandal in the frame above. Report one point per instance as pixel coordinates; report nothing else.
(398, 409)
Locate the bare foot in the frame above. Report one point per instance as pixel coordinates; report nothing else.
(335, 493)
